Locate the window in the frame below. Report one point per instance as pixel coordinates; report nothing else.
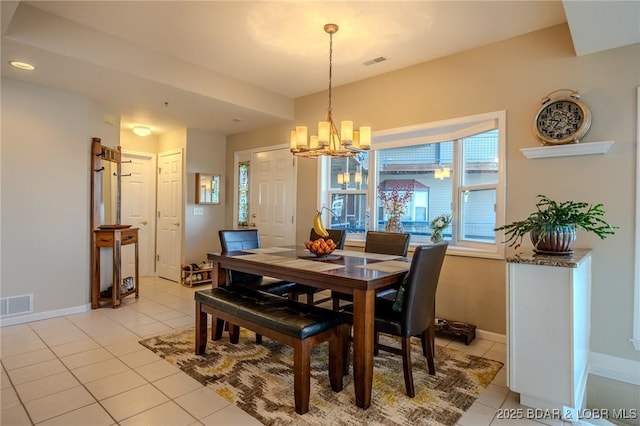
(454, 167)
(243, 194)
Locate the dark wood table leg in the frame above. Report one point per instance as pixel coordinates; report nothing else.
(363, 339)
(201, 329)
(217, 279)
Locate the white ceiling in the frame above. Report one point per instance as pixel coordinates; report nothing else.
(230, 66)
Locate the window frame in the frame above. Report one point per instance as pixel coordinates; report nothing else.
(439, 131)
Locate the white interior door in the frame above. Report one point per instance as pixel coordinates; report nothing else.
(138, 208)
(170, 215)
(273, 196)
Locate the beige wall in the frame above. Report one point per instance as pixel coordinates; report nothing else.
(205, 154)
(132, 142)
(513, 75)
(46, 150)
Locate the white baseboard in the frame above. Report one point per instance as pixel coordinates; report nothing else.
(38, 316)
(489, 335)
(610, 367)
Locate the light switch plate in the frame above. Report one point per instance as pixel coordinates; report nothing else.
(198, 211)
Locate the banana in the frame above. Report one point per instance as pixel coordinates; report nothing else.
(318, 227)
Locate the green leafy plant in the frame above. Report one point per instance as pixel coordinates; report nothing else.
(549, 214)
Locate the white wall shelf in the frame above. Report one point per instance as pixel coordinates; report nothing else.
(586, 148)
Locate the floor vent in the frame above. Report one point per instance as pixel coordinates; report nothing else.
(15, 305)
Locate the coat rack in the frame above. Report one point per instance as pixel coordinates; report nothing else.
(112, 236)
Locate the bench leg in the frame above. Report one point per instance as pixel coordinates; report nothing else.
(201, 330)
(337, 345)
(301, 375)
(217, 327)
(234, 333)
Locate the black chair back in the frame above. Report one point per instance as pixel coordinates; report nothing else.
(387, 243)
(237, 240)
(418, 304)
(338, 236)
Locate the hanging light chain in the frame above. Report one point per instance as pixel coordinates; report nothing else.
(330, 70)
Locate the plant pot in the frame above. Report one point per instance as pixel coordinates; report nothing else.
(554, 240)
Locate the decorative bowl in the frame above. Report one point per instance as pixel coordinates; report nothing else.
(320, 247)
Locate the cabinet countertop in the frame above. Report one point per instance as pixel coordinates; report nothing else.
(563, 260)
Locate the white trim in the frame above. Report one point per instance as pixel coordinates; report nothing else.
(44, 315)
(611, 367)
(490, 335)
(245, 155)
(636, 298)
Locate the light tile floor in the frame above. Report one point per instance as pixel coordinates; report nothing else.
(88, 369)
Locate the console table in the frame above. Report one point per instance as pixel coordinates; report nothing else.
(548, 302)
(113, 238)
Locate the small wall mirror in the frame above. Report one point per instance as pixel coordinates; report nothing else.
(207, 189)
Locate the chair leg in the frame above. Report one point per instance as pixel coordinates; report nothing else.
(258, 339)
(428, 349)
(301, 376)
(406, 366)
(376, 340)
(336, 354)
(336, 303)
(309, 298)
(346, 352)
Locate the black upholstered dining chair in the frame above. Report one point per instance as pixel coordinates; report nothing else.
(339, 236)
(245, 239)
(382, 243)
(412, 313)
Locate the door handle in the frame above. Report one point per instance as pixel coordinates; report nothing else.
(144, 222)
(252, 225)
(253, 215)
(177, 224)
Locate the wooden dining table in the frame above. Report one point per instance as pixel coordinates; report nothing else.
(357, 273)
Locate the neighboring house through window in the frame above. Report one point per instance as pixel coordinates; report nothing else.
(453, 166)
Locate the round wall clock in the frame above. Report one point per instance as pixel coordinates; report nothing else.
(563, 119)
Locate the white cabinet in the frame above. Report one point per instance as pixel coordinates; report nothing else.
(548, 299)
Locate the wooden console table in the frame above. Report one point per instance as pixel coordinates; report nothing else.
(113, 238)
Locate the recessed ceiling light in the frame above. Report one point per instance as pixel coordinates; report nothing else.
(22, 65)
(142, 131)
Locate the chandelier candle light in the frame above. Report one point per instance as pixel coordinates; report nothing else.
(328, 142)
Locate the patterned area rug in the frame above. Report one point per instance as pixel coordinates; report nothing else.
(259, 380)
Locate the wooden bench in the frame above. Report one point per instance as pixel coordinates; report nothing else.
(287, 321)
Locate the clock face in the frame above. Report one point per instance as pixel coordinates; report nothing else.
(562, 121)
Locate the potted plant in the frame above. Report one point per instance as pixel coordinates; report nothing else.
(552, 227)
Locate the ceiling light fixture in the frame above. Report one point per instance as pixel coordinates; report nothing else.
(328, 142)
(442, 173)
(22, 65)
(142, 131)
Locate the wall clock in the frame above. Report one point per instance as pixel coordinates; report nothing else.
(562, 119)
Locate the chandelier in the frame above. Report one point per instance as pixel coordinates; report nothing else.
(328, 142)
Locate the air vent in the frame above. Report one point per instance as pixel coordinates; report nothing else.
(375, 60)
(16, 305)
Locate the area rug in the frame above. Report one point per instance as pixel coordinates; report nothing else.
(259, 380)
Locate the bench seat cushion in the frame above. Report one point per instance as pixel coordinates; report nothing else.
(296, 319)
